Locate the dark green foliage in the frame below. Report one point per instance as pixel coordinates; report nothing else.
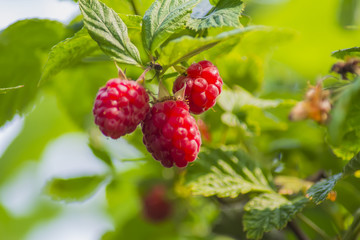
(21, 61)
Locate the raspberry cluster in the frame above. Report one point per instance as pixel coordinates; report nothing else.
(203, 86)
(171, 134)
(120, 106)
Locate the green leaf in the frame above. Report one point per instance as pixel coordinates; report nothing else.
(348, 194)
(238, 98)
(348, 147)
(348, 11)
(109, 31)
(87, 77)
(226, 13)
(68, 53)
(100, 153)
(319, 191)
(352, 166)
(343, 53)
(164, 18)
(269, 211)
(345, 117)
(131, 21)
(226, 173)
(73, 189)
(21, 61)
(214, 2)
(261, 120)
(183, 48)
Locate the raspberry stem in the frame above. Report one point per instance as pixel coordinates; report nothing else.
(141, 79)
(120, 72)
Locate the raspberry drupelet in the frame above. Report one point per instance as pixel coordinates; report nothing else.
(171, 134)
(203, 86)
(120, 106)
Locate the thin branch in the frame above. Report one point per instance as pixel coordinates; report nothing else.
(136, 12)
(314, 227)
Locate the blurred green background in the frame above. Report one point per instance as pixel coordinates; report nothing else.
(48, 132)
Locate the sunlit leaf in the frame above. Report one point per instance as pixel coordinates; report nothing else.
(289, 185)
(68, 53)
(109, 31)
(132, 21)
(73, 189)
(22, 46)
(100, 153)
(181, 49)
(226, 173)
(164, 18)
(79, 85)
(352, 166)
(349, 146)
(345, 118)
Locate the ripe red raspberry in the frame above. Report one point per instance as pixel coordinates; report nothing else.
(203, 85)
(120, 106)
(171, 134)
(156, 206)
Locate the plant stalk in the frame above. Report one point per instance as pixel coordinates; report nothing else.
(354, 229)
(313, 226)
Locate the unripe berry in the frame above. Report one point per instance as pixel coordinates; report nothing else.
(120, 106)
(203, 86)
(171, 134)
